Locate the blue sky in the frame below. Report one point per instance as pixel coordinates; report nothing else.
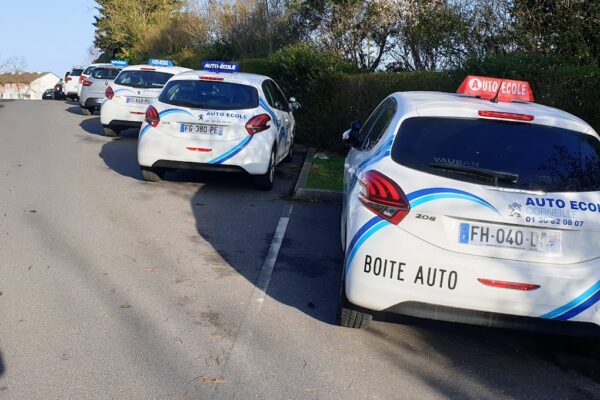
(52, 35)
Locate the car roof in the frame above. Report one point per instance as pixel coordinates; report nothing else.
(239, 77)
(458, 105)
(169, 70)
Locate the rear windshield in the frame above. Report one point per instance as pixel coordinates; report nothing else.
(88, 70)
(76, 72)
(105, 73)
(511, 155)
(143, 79)
(209, 94)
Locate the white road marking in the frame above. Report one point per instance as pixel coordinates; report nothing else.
(266, 270)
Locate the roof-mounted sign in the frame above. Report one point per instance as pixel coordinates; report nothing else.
(220, 66)
(487, 88)
(119, 63)
(155, 62)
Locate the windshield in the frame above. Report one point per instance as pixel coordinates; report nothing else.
(505, 154)
(76, 72)
(143, 79)
(209, 94)
(105, 73)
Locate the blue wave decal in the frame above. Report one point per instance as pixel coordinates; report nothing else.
(171, 111)
(144, 130)
(360, 237)
(263, 103)
(232, 152)
(577, 305)
(423, 196)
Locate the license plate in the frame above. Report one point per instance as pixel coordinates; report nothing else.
(200, 129)
(137, 100)
(487, 235)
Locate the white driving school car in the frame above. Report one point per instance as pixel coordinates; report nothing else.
(130, 93)
(479, 207)
(218, 119)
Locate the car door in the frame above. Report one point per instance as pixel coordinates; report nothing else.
(372, 144)
(281, 103)
(280, 108)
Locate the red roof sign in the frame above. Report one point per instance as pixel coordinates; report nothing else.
(495, 88)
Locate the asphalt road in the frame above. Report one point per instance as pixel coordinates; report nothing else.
(113, 288)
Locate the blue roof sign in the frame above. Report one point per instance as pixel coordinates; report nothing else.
(155, 62)
(119, 63)
(220, 66)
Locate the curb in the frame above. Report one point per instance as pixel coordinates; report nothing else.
(315, 195)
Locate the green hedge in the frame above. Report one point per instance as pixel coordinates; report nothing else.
(333, 93)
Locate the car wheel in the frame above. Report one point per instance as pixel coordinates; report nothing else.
(111, 132)
(86, 111)
(152, 174)
(265, 181)
(348, 317)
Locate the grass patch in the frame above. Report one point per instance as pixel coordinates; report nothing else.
(327, 174)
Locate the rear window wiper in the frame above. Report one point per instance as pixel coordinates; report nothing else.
(487, 174)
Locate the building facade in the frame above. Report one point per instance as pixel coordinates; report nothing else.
(26, 85)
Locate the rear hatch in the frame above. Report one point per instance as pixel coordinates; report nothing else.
(500, 189)
(99, 79)
(72, 81)
(137, 88)
(214, 110)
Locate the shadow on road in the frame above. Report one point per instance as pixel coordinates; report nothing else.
(470, 362)
(74, 109)
(120, 155)
(92, 125)
(2, 367)
(459, 361)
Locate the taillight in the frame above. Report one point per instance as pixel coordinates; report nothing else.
(68, 79)
(505, 115)
(109, 93)
(152, 116)
(81, 78)
(258, 124)
(384, 197)
(211, 78)
(87, 83)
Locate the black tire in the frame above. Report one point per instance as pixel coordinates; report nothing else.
(87, 111)
(111, 131)
(265, 181)
(152, 174)
(348, 317)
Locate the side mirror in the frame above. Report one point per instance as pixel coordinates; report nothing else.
(294, 105)
(350, 137)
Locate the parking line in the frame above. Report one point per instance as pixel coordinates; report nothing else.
(264, 275)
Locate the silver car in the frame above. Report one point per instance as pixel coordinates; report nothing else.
(94, 87)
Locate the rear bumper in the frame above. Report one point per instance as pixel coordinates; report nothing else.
(494, 320)
(389, 269)
(249, 153)
(197, 166)
(92, 102)
(112, 111)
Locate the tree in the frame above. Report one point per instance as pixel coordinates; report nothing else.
(567, 28)
(357, 31)
(121, 25)
(13, 64)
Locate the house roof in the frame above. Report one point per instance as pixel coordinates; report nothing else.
(21, 77)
